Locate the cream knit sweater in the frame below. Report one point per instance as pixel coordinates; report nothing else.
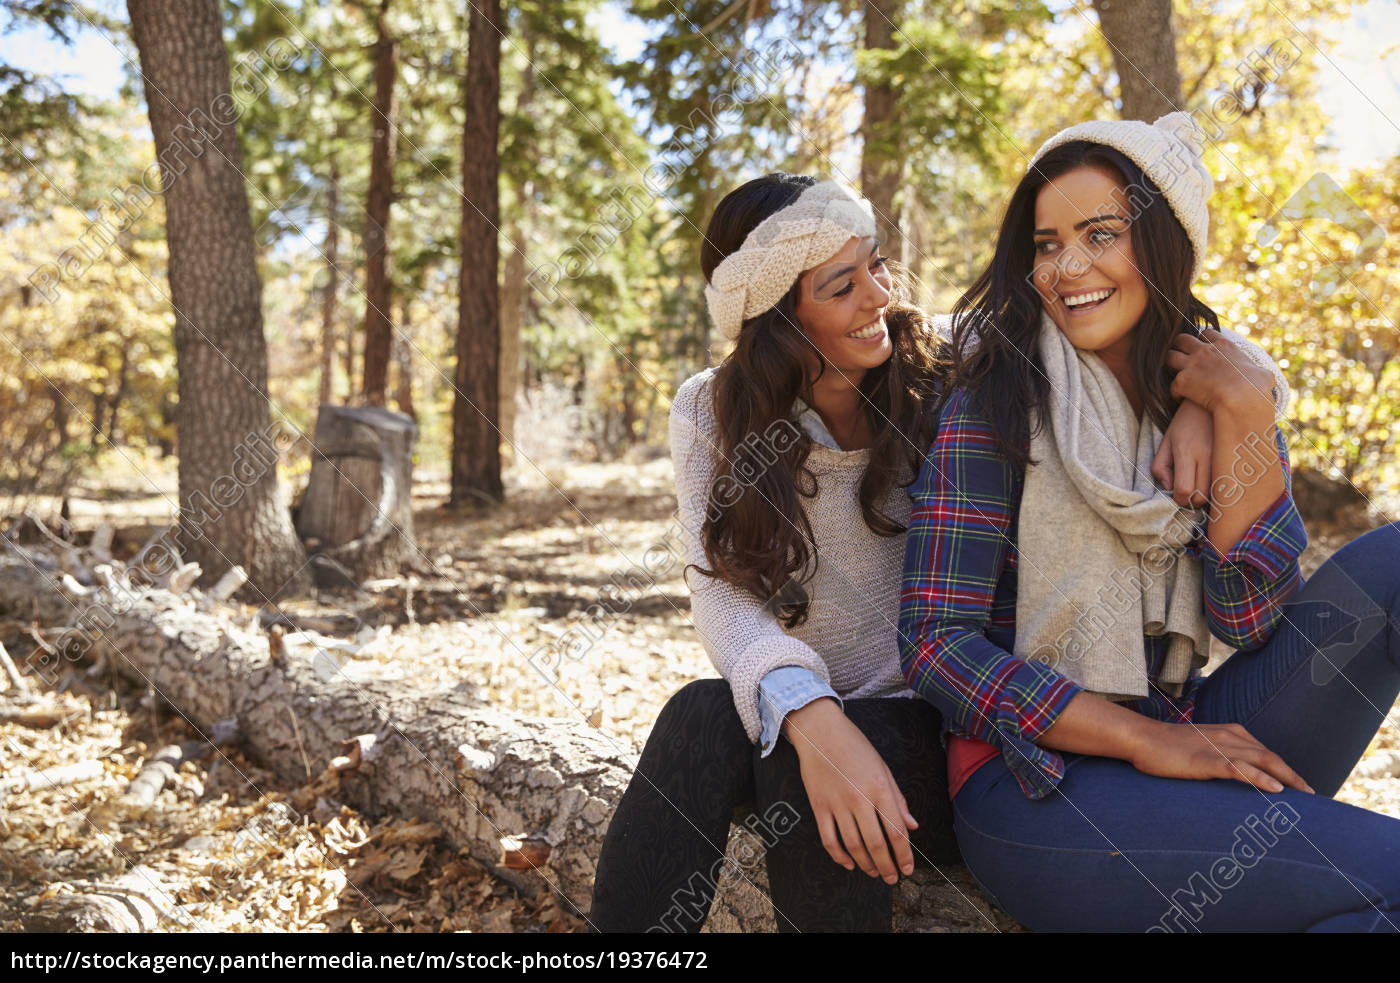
(850, 637)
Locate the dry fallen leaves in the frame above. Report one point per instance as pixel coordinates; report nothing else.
(511, 582)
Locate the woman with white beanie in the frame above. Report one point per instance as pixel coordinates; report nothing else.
(1057, 606)
(793, 460)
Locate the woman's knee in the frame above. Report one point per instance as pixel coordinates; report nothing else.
(701, 707)
(1360, 580)
(701, 695)
(1371, 564)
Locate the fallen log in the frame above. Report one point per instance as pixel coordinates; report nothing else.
(477, 773)
(137, 901)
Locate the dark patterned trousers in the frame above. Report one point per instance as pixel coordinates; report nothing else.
(664, 850)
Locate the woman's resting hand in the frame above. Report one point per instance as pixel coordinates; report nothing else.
(1182, 462)
(1091, 724)
(1213, 751)
(854, 797)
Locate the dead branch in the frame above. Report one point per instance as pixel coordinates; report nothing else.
(17, 682)
(54, 777)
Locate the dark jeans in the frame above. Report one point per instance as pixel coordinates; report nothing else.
(1113, 849)
(662, 854)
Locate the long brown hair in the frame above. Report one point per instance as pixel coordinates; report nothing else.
(756, 534)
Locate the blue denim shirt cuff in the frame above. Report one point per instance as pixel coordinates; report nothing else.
(781, 691)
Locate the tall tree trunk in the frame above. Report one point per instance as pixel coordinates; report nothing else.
(349, 352)
(513, 294)
(1143, 41)
(403, 362)
(123, 373)
(513, 298)
(99, 415)
(169, 415)
(880, 169)
(60, 414)
(476, 438)
(328, 297)
(378, 288)
(231, 506)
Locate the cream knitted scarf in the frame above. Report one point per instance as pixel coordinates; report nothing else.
(1100, 545)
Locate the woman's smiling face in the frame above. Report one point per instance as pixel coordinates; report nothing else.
(842, 309)
(1085, 272)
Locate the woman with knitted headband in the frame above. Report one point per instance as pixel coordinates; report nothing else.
(1099, 781)
(793, 460)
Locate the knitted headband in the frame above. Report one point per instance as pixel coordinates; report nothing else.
(1169, 153)
(796, 237)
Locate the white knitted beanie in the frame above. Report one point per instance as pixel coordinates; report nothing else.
(1169, 153)
(795, 238)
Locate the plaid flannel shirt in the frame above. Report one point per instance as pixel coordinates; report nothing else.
(957, 620)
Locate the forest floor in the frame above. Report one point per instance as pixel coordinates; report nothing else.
(502, 585)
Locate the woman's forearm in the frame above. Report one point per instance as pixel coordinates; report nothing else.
(1247, 474)
(1091, 724)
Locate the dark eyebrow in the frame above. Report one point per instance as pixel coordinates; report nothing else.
(846, 269)
(1096, 220)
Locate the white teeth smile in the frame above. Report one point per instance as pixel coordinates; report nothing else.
(872, 331)
(1079, 300)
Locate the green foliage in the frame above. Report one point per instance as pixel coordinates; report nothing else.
(610, 171)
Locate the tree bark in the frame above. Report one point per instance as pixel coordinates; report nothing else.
(232, 511)
(1143, 41)
(476, 438)
(403, 363)
(880, 171)
(139, 900)
(328, 296)
(513, 295)
(349, 353)
(478, 772)
(114, 407)
(513, 300)
(378, 286)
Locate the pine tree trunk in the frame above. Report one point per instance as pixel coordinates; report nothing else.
(348, 351)
(513, 294)
(476, 439)
(512, 319)
(403, 363)
(378, 286)
(60, 414)
(1143, 42)
(123, 371)
(232, 510)
(328, 297)
(880, 170)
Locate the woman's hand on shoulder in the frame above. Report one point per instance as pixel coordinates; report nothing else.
(1203, 751)
(860, 812)
(1215, 372)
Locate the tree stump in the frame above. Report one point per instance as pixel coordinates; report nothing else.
(358, 507)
